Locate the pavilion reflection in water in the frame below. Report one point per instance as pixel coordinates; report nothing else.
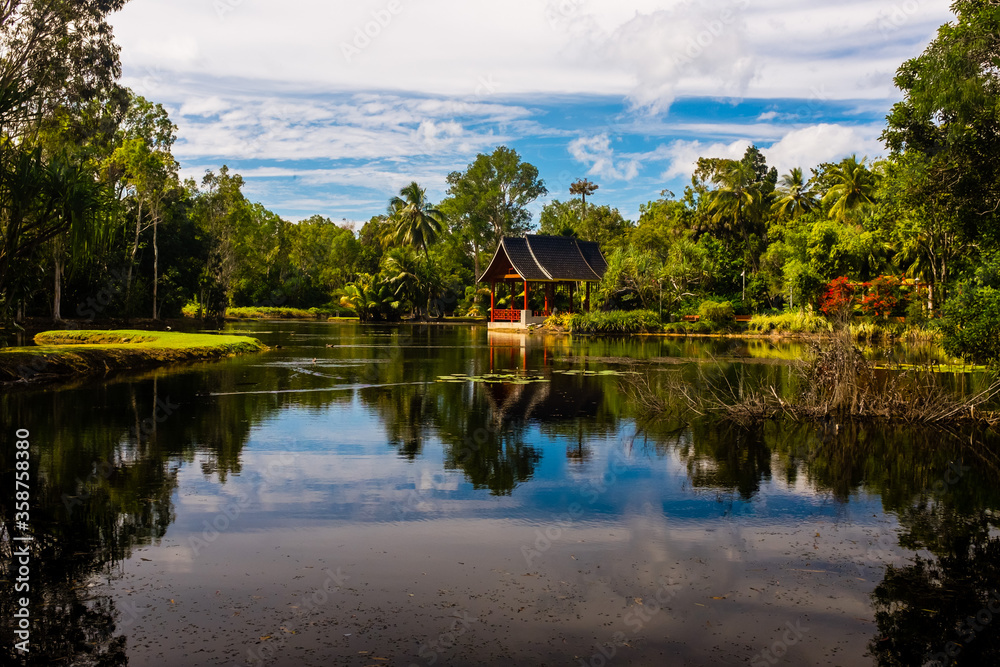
(561, 403)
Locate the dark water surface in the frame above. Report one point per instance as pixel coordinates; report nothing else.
(348, 499)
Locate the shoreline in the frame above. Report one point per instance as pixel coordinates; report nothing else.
(70, 354)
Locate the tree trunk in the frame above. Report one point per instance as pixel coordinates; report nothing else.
(57, 295)
(156, 263)
(131, 263)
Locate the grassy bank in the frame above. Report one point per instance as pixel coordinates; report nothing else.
(275, 313)
(65, 354)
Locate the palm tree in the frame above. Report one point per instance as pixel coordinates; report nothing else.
(370, 299)
(737, 206)
(795, 196)
(415, 221)
(853, 188)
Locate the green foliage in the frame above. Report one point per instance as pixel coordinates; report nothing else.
(615, 322)
(971, 324)
(716, 311)
(372, 299)
(602, 224)
(799, 322)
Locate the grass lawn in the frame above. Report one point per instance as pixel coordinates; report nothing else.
(62, 354)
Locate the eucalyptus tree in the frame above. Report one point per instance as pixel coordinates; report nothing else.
(54, 54)
(489, 199)
(146, 170)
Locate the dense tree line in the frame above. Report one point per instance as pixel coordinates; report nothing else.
(96, 222)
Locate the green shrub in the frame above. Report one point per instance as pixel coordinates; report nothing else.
(716, 311)
(560, 320)
(803, 321)
(971, 324)
(616, 322)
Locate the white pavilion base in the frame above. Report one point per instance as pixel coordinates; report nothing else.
(526, 319)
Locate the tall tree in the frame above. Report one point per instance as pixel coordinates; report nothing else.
(852, 187)
(950, 113)
(794, 197)
(490, 198)
(583, 187)
(148, 172)
(740, 199)
(415, 222)
(54, 54)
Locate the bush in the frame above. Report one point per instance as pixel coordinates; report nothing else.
(838, 302)
(884, 297)
(716, 311)
(615, 322)
(803, 321)
(971, 324)
(558, 320)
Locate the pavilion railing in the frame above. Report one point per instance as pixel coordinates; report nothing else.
(506, 315)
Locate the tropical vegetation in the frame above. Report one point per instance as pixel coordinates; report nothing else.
(96, 223)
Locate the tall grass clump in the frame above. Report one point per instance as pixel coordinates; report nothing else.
(801, 322)
(616, 322)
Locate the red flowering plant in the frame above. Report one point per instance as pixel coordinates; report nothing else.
(838, 301)
(883, 298)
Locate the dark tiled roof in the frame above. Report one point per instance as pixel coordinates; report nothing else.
(521, 258)
(560, 257)
(547, 258)
(591, 252)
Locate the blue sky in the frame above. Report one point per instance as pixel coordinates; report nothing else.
(329, 107)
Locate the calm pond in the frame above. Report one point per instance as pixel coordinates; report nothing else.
(361, 495)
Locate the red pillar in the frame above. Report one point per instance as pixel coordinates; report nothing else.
(588, 298)
(493, 288)
(547, 288)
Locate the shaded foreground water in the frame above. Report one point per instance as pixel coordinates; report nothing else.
(361, 496)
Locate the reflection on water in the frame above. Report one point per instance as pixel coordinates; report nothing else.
(181, 515)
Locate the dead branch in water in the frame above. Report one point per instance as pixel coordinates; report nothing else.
(836, 384)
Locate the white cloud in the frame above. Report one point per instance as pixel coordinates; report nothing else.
(597, 152)
(683, 155)
(809, 146)
(652, 50)
(353, 127)
(804, 147)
